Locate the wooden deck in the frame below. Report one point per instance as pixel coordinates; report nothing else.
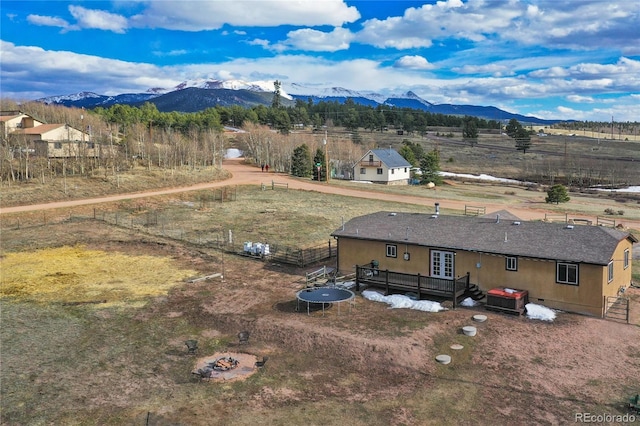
(449, 289)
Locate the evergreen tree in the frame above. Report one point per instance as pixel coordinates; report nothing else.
(522, 137)
(470, 130)
(407, 154)
(301, 162)
(513, 127)
(276, 94)
(319, 166)
(430, 167)
(523, 140)
(557, 194)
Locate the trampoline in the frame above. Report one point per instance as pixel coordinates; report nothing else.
(324, 295)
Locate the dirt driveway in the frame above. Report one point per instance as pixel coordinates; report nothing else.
(243, 174)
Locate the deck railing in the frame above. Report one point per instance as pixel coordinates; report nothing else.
(420, 284)
(370, 163)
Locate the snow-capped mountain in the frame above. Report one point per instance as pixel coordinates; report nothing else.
(207, 84)
(299, 91)
(199, 94)
(91, 100)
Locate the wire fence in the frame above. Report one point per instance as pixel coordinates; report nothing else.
(175, 225)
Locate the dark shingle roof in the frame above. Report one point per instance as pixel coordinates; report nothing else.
(555, 241)
(390, 158)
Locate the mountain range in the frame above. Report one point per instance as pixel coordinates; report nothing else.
(197, 95)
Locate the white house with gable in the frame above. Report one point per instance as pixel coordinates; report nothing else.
(384, 166)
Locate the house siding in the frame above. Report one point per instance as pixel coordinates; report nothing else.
(537, 276)
(400, 175)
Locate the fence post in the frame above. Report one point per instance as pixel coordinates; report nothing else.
(627, 310)
(273, 185)
(386, 281)
(94, 213)
(419, 293)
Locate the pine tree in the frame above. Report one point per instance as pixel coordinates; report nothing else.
(301, 162)
(430, 167)
(557, 194)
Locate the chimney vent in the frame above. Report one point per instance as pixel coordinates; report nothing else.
(497, 218)
(437, 208)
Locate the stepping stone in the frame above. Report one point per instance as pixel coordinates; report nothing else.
(469, 330)
(443, 359)
(456, 347)
(479, 318)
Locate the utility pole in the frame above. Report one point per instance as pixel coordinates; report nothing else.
(326, 155)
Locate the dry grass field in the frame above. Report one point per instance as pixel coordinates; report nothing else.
(94, 319)
(95, 316)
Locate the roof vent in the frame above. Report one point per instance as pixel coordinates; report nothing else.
(393, 214)
(434, 216)
(517, 222)
(497, 218)
(568, 227)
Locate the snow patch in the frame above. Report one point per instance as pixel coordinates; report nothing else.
(469, 302)
(398, 301)
(540, 312)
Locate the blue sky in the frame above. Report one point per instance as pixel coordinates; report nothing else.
(553, 59)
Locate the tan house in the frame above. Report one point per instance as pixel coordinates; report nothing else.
(567, 267)
(10, 121)
(46, 140)
(384, 166)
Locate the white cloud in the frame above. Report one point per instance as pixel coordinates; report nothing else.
(316, 41)
(259, 42)
(98, 19)
(177, 52)
(212, 14)
(578, 25)
(497, 70)
(47, 21)
(413, 62)
(61, 72)
(580, 99)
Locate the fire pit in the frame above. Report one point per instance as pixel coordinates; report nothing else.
(224, 364)
(225, 367)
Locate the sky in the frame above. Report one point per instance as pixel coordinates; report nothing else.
(552, 59)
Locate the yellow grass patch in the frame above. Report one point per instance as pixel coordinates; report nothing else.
(76, 274)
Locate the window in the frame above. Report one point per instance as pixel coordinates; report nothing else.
(405, 170)
(392, 251)
(57, 145)
(610, 272)
(379, 171)
(626, 259)
(90, 145)
(567, 273)
(512, 263)
(363, 171)
(371, 158)
(393, 171)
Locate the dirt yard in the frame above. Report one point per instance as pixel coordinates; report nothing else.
(65, 362)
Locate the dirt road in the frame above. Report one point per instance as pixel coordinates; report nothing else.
(243, 174)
